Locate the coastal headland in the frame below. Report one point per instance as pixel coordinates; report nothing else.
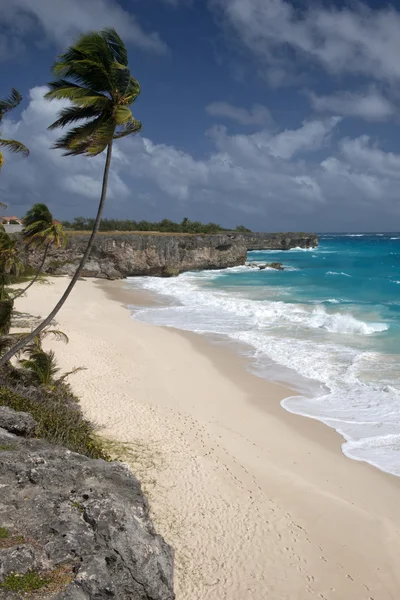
(117, 255)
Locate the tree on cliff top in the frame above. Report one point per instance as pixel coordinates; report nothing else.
(93, 75)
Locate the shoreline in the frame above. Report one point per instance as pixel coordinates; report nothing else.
(222, 350)
(257, 502)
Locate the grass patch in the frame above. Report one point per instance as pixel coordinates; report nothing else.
(59, 418)
(28, 582)
(10, 542)
(78, 506)
(4, 534)
(36, 585)
(6, 448)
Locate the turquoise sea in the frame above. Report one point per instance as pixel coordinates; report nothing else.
(328, 325)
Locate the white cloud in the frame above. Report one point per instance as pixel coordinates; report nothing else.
(357, 40)
(262, 178)
(369, 158)
(46, 174)
(257, 115)
(63, 20)
(371, 105)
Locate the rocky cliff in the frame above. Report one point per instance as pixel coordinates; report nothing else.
(280, 241)
(123, 255)
(73, 528)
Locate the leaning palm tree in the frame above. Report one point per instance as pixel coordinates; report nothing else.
(93, 75)
(41, 232)
(10, 264)
(6, 105)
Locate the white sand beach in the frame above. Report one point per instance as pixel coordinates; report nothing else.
(257, 503)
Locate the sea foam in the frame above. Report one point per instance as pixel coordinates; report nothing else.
(309, 346)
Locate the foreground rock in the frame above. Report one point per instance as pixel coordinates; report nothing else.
(123, 255)
(19, 423)
(73, 528)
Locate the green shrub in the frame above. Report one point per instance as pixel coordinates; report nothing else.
(3, 533)
(59, 418)
(27, 582)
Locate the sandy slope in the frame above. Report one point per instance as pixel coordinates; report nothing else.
(257, 503)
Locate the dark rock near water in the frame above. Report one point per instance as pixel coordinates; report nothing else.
(262, 266)
(89, 518)
(123, 255)
(275, 265)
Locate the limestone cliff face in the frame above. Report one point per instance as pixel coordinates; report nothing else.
(123, 255)
(280, 241)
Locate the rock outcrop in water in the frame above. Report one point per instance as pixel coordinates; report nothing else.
(73, 528)
(122, 255)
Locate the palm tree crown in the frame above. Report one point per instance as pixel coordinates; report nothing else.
(41, 230)
(94, 76)
(6, 105)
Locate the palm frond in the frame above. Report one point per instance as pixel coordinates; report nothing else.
(123, 114)
(37, 341)
(72, 114)
(13, 100)
(7, 341)
(41, 234)
(62, 89)
(103, 135)
(59, 335)
(120, 77)
(92, 46)
(10, 261)
(86, 72)
(69, 373)
(38, 212)
(130, 128)
(133, 90)
(41, 365)
(14, 146)
(3, 205)
(116, 45)
(77, 140)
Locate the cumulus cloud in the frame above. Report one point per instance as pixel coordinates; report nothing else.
(300, 178)
(63, 20)
(47, 175)
(358, 40)
(256, 115)
(370, 105)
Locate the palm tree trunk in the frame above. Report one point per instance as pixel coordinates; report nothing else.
(19, 345)
(36, 276)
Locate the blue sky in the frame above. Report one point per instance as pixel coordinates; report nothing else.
(279, 115)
